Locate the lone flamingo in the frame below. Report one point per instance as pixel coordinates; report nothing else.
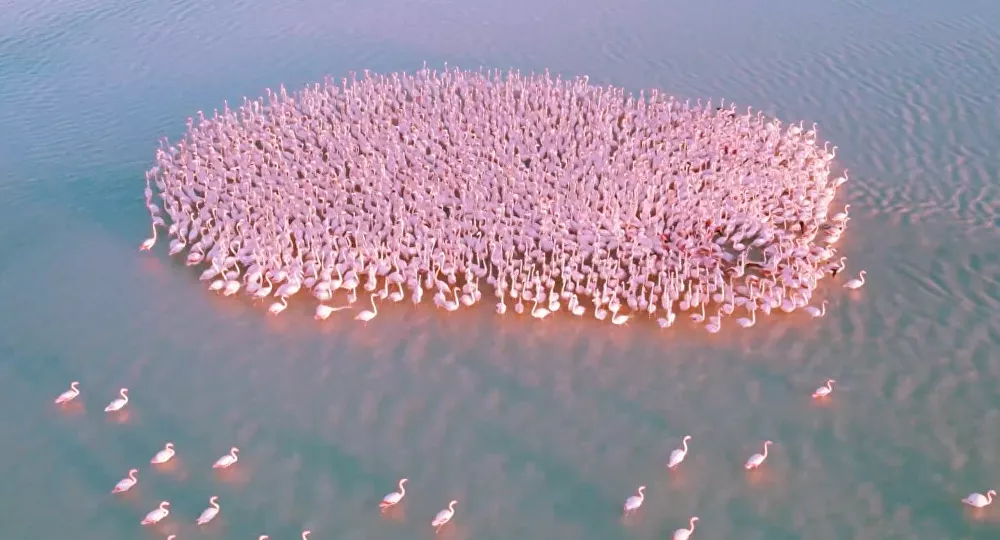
(227, 460)
(157, 515)
(978, 500)
(825, 390)
(635, 501)
(684, 534)
(126, 483)
(70, 394)
(678, 455)
(393, 498)
(443, 517)
(757, 460)
(119, 403)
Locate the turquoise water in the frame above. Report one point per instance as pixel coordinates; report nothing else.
(539, 430)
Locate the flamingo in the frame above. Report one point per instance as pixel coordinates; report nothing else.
(684, 534)
(126, 483)
(816, 312)
(678, 455)
(443, 517)
(157, 515)
(841, 216)
(164, 455)
(856, 283)
(148, 243)
(366, 315)
(119, 403)
(825, 390)
(227, 460)
(757, 460)
(279, 306)
(978, 500)
(209, 513)
(70, 394)
(635, 501)
(537, 312)
(747, 323)
(393, 498)
(324, 311)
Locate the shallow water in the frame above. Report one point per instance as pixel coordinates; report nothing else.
(540, 430)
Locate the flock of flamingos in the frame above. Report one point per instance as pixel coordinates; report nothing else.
(443, 517)
(557, 193)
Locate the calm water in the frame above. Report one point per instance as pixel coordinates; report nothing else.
(540, 430)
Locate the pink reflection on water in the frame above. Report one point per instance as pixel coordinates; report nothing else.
(122, 417)
(237, 475)
(72, 409)
(173, 468)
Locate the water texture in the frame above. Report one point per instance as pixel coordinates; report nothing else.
(539, 429)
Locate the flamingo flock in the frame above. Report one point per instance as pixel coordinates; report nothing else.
(445, 516)
(550, 194)
(632, 503)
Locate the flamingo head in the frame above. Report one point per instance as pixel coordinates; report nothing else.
(403, 481)
(123, 391)
(164, 504)
(234, 450)
(991, 493)
(694, 520)
(687, 438)
(212, 499)
(768, 443)
(641, 489)
(133, 471)
(169, 446)
(831, 382)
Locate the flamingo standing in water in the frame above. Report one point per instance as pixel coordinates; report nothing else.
(443, 517)
(227, 460)
(70, 394)
(126, 483)
(824, 390)
(164, 455)
(757, 460)
(684, 534)
(817, 312)
(393, 498)
(157, 515)
(857, 282)
(635, 501)
(279, 306)
(119, 403)
(148, 243)
(978, 500)
(678, 455)
(209, 513)
(366, 315)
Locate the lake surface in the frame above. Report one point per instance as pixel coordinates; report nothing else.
(540, 430)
